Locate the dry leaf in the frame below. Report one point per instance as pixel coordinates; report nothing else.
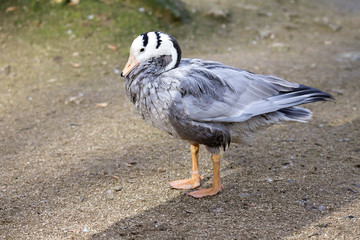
(74, 2)
(11, 9)
(112, 47)
(104, 105)
(328, 42)
(75, 65)
(130, 164)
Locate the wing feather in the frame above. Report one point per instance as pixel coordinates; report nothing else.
(213, 92)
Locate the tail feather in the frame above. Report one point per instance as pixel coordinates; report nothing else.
(301, 95)
(276, 109)
(297, 96)
(298, 114)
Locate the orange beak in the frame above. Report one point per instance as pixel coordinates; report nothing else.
(130, 65)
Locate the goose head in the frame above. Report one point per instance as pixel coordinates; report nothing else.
(152, 45)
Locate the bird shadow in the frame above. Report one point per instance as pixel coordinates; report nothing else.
(256, 203)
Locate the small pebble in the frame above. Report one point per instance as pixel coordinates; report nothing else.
(264, 14)
(218, 210)
(243, 195)
(277, 45)
(344, 139)
(339, 91)
(270, 180)
(117, 188)
(351, 190)
(323, 225)
(116, 71)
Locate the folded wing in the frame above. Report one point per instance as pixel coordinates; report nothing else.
(213, 92)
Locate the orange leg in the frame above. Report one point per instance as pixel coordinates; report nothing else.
(194, 181)
(203, 192)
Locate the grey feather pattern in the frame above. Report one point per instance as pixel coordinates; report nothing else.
(212, 104)
(236, 95)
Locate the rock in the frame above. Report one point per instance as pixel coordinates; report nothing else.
(264, 14)
(313, 65)
(75, 99)
(348, 57)
(277, 45)
(247, 7)
(335, 27)
(290, 26)
(325, 21)
(265, 33)
(219, 14)
(6, 70)
(291, 15)
(338, 91)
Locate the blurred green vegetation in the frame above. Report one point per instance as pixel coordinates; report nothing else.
(107, 21)
(170, 9)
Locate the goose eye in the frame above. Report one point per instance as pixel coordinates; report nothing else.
(141, 50)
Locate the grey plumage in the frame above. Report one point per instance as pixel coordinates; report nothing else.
(209, 103)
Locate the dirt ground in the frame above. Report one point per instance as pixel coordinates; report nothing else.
(77, 162)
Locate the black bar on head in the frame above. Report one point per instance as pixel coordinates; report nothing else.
(145, 39)
(178, 50)
(158, 40)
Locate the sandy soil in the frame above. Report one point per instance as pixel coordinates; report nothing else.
(73, 169)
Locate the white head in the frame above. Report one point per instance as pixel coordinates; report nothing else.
(152, 45)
